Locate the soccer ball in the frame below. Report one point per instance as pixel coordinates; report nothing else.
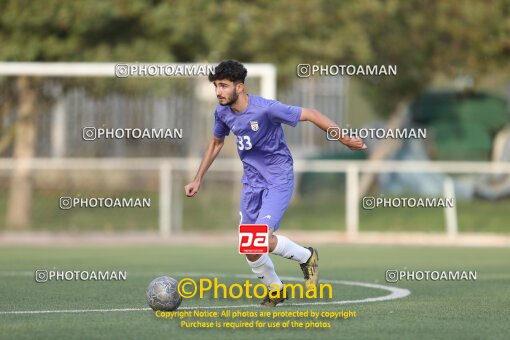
(162, 294)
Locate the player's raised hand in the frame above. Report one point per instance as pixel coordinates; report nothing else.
(331, 128)
(353, 143)
(192, 188)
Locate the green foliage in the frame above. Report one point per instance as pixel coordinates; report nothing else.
(424, 38)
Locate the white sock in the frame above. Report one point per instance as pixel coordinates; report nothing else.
(291, 250)
(264, 269)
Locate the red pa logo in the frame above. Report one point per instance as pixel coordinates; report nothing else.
(253, 239)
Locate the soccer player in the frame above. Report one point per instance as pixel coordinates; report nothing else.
(268, 179)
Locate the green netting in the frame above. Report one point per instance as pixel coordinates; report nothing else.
(327, 183)
(463, 125)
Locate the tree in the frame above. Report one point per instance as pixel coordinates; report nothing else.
(62, 31)
(424, 38)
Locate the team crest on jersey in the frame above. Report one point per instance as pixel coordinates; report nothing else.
(254, 125)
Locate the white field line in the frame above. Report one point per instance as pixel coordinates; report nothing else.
(395, 293)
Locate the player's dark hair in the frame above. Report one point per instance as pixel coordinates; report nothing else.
(230, 70)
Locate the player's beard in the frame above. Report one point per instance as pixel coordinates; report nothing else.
(232, 99)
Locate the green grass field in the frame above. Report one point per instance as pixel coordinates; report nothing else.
(434, 309)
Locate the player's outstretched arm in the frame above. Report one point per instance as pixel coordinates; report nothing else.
(324, 123)
(213, 149)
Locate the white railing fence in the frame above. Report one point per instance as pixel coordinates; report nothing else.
(166, 168)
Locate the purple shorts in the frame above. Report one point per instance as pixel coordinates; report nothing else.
(265, 205)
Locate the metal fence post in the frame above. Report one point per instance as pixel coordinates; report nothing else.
(165, 199)
(352, 200)
(450, 213)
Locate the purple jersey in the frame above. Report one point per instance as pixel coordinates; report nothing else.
(260, 141)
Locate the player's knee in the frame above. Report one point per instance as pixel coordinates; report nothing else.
(273, 241)
(252, 257)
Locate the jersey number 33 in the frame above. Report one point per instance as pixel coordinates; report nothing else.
(244, 143)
